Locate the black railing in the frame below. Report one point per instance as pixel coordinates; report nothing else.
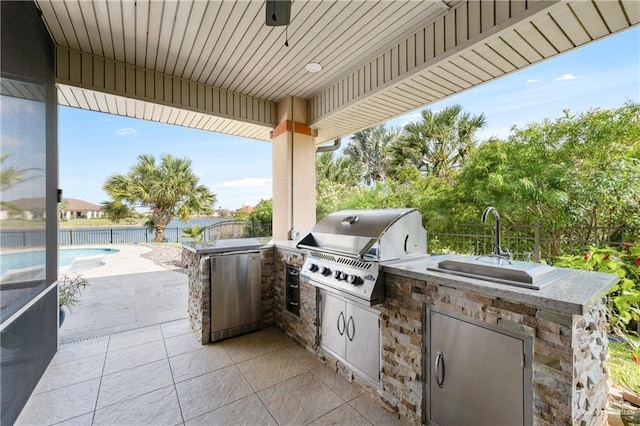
(130, 235)
(529, 242)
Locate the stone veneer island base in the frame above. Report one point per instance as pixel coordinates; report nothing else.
(566, 322)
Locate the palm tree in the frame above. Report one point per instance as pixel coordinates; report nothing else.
(369, 149)
(440, 142)
(10, 176)
(169, 189)
(196, 233)
(340, 169)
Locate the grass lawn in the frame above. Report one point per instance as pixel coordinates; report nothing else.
(99, 222)
(19, 224)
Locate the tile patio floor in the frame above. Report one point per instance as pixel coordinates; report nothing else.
(130, 358)
(161, 375)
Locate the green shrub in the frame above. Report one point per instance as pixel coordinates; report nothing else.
(624, 298)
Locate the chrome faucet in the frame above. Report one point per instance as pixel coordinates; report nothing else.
(497, 251)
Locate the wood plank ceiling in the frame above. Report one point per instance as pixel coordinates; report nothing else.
(220, 68)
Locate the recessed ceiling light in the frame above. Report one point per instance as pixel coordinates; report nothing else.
(313, 67)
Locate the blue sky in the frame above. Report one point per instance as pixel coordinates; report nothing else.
(93, 146)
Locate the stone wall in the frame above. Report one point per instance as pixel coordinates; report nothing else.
(268, 280)
(590, 373)
(199, 285)
(569, 382)
(303, 329)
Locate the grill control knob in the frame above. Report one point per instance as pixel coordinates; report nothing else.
(353, 279)
(313, 267)
(337, 275)
(325, 271)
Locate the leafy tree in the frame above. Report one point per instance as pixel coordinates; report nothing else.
(259, 220)
(169, 188)
(335, 178)
(439, 142)
(369, 150)
(575, 175)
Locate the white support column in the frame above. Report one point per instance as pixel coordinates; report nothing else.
(294, 176)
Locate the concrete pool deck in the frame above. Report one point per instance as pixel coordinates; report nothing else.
(127, 292)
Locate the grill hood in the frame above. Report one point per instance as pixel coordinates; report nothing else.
(371, 235)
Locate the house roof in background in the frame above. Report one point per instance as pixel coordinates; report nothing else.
(27, 203)
(81, 205)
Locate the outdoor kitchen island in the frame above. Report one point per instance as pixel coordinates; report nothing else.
(562, 328)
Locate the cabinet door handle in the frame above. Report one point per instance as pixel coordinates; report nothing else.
(293, 303)
(350, 321)
(338, 325)
(293, 286)
(439, 369)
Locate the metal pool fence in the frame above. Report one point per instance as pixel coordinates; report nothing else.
(33, 238)
(130, 235)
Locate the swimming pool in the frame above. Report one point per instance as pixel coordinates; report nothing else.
(29, 259)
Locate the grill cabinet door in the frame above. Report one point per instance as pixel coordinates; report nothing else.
(363, 340)
(481, 372)
(334, 323)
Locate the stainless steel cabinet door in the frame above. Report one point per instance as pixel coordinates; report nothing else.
(363, 340)
(236, 293)
(476, 374)
(334, 324)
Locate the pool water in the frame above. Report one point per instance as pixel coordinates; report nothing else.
(9, 261)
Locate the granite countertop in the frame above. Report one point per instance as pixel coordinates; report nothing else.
(222, 246)
(573, 293)
(238, 244)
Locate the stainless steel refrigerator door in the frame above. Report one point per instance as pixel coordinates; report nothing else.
(476, 374)
(236, 290)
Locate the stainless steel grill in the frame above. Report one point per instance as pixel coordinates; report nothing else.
(347, 248)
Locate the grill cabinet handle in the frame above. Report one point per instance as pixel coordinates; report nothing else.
(338, 325)
(439, 369)
(351, 336)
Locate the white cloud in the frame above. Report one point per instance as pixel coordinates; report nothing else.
(245, 183)
(126, 131)
(403, 120)
(532, 80)
(566, 77)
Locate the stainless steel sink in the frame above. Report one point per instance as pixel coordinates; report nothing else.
(500, 270)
